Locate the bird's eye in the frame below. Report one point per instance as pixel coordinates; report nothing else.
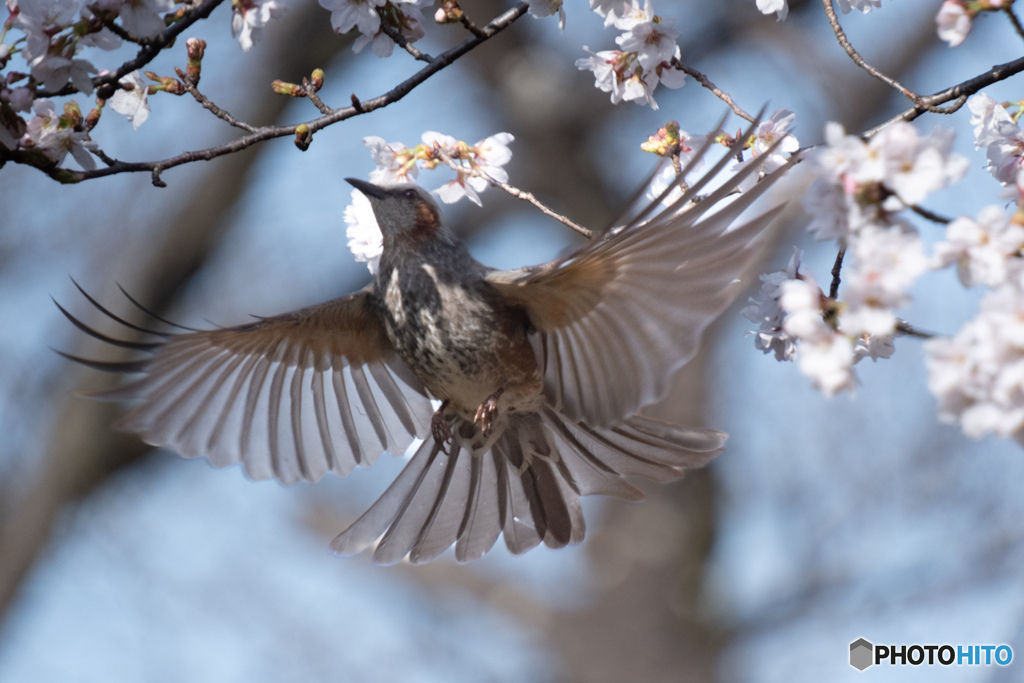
(410, 194)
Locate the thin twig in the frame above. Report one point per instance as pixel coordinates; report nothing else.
(310, 92)
(470, 26)
(720, 94)
(517, 193)
(911, 331)
(959, 92)
(528, 197)
(1014, 19)
(396, 35)
(930, 215)
(221, 114)
(261, 134)
(122, 33)
(833, 20)
(837, 268)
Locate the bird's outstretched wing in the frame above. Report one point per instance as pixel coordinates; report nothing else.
(615, 319)
(290, 397)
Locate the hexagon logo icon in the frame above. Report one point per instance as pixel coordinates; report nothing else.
(861, 654)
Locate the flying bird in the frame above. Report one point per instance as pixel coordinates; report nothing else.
(540, 373)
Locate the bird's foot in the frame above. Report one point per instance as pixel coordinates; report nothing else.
(439, 427)
(487, 410)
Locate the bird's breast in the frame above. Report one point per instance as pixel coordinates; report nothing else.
(459, 337)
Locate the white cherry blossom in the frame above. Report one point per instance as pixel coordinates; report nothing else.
(978, 375)
(349, 14)
(953, 22)
(780, 7)
(144, 17)
(365, 240)
(886, 262)
(546, 8)
(133, 103)
(765, 310)
(771, 130)
(654, 42)
(986, 251)
(248, 17)
(44, 132)
(864, 6)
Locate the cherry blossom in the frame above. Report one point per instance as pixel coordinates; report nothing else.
(654, 42)
(545, 8)
(477, 164)
(144, 17)
(953, 22)
(396, 163)
(978, 375)
(349, 14)
(39, 20)
(133, 103)
(248, 17)
(860, 184)
(1001, 137)
(986, 251)
(620, 74)
(481, 162)
(53, 71)
(765, 309)
(53, 137)
(780, 7)
(886, 262)
(769, 132)
(990, 120)
(365, 240)
(864, 6)
(402, 15)
(823, 355)
(611, 10)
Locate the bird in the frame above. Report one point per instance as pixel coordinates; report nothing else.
(515, 392)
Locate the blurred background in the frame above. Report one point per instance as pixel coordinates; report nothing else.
(823, 522)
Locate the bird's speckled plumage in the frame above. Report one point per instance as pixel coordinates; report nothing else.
(541, 372)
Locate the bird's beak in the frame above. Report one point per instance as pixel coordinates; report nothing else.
(369, 189)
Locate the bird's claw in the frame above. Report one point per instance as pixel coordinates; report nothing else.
(486, 412)
(439, 427)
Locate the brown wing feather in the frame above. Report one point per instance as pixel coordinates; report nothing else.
(615, 319)
(290, 397)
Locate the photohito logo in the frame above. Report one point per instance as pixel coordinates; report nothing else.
(864, 654)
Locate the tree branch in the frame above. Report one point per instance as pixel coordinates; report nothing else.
(221, 114)
(833, 20)
(959, 92)
(518, 194)
(720, 94)
(261, 134)
(146, 54)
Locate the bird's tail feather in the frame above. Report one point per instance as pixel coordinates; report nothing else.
(526, 484)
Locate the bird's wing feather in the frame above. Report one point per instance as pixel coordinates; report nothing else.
(614, 320)
(289, 397)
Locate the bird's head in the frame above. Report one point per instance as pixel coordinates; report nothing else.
(406, 213)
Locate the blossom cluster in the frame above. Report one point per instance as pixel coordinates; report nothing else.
(771, 139)
(375, 18)
(999, 135)
(476, 166)
(647, 54)
(858, 198)
(978, 374)
(955, 17)
(53, 34)
(781, 7)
